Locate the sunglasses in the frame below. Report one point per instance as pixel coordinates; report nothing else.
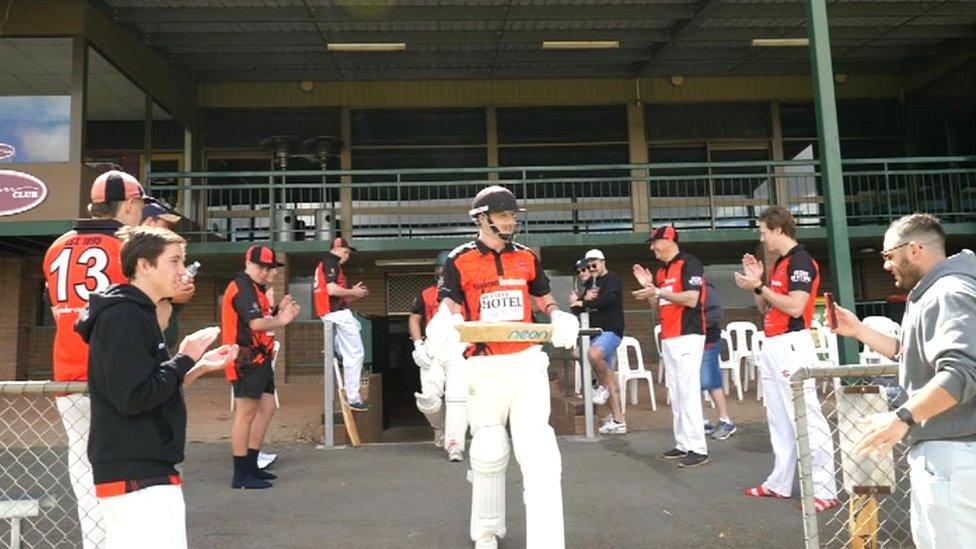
(593, 266)
(581, 271)
(886, 254)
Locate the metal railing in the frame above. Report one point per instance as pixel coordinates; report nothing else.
(874, 490)
(394, 203)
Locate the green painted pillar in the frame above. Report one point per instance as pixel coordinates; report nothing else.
(838, 241)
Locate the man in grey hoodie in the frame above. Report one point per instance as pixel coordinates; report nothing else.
(937, 367)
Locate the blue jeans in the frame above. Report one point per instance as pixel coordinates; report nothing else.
(711, 374)
(608, 343)
(943, 475)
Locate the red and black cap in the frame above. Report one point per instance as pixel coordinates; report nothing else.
(340, 242)
(493, 199)
(262, 255)
(668, 232)
(116, 186)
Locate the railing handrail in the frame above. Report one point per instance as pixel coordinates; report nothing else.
(577, 167)
(846, 370)
(41, 388)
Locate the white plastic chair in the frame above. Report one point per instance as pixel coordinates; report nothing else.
(884, 325)
(752, 361)
(274, 362)
(828, 351)
(627, 372)
(660, 355)
(741, 333)
(731, 366)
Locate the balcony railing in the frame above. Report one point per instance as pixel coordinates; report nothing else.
(292, 205)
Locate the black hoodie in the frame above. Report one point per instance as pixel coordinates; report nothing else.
(138, 417)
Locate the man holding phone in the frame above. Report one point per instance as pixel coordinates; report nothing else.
(332, 297)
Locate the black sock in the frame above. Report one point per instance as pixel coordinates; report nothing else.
(241, 468)
(252, 457)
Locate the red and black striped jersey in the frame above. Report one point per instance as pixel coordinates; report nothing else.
(795, 271)
(328, 270)
(494, 286)
(81, 262)
(426, 303)
(683, 273)
(245, 300)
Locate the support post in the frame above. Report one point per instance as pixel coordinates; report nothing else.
(328, 382)
(838, 240)
(587, 377)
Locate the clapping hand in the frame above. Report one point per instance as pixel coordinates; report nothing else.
(644, 276)
(752, 272)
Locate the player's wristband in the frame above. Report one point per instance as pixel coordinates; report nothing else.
(551, 305)
(758, 289)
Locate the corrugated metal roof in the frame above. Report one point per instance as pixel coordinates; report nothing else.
(447, 35)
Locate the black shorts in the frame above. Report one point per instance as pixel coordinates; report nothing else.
(253, 381)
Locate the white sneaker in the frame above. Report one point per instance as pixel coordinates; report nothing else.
(265, 460)
(439, 438)
(613, 428)
(600, 395)
(486, 541)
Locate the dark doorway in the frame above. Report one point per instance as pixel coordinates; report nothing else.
(401, 378)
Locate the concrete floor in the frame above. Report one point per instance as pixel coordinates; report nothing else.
(617, 492)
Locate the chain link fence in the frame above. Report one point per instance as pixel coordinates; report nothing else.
(873, 490)
(46, 495)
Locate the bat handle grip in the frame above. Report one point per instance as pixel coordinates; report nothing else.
(591, 332)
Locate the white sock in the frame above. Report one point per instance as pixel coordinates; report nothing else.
(725, 419)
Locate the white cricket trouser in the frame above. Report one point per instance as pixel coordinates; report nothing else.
(682, 358)
(430, 398)
(456, 403)
(781, 356)
(75, 413)
(515, 388)
(943, 475)
(150, 518)
(349, 344)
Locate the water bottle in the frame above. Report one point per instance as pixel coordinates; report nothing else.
(191, 271)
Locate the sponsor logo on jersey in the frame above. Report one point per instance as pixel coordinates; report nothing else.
(800, 276)
(695, 281)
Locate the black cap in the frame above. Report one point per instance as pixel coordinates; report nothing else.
(580, 263)
(668, 232)
(493, 199)
(263, 255)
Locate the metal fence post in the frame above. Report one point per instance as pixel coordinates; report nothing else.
(328, 381)
(810, 530)
(586, 373)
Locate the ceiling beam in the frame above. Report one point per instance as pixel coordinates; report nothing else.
(268, 60)
(677, 33)
(402, 13)
(847, 9)
(940, 32)
(206, 40)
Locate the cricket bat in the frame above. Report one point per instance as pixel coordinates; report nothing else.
(347, 416)
(511, 332)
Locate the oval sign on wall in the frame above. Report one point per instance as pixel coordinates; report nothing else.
(7, 151)
(20, 192)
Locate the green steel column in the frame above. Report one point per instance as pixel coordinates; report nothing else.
(838, 242)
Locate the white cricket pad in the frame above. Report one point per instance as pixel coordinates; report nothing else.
(489, 459)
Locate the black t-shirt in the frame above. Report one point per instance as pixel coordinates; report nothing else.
(607, 310)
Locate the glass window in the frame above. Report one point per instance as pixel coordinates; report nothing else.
(35, 99)
(707, 121)
(562, 124)
(418, 127)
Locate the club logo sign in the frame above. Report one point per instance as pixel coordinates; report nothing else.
(7, 151)
(20, 192)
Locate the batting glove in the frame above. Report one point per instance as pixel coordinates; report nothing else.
(565, 329)
(420, 356)
(442, 336)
